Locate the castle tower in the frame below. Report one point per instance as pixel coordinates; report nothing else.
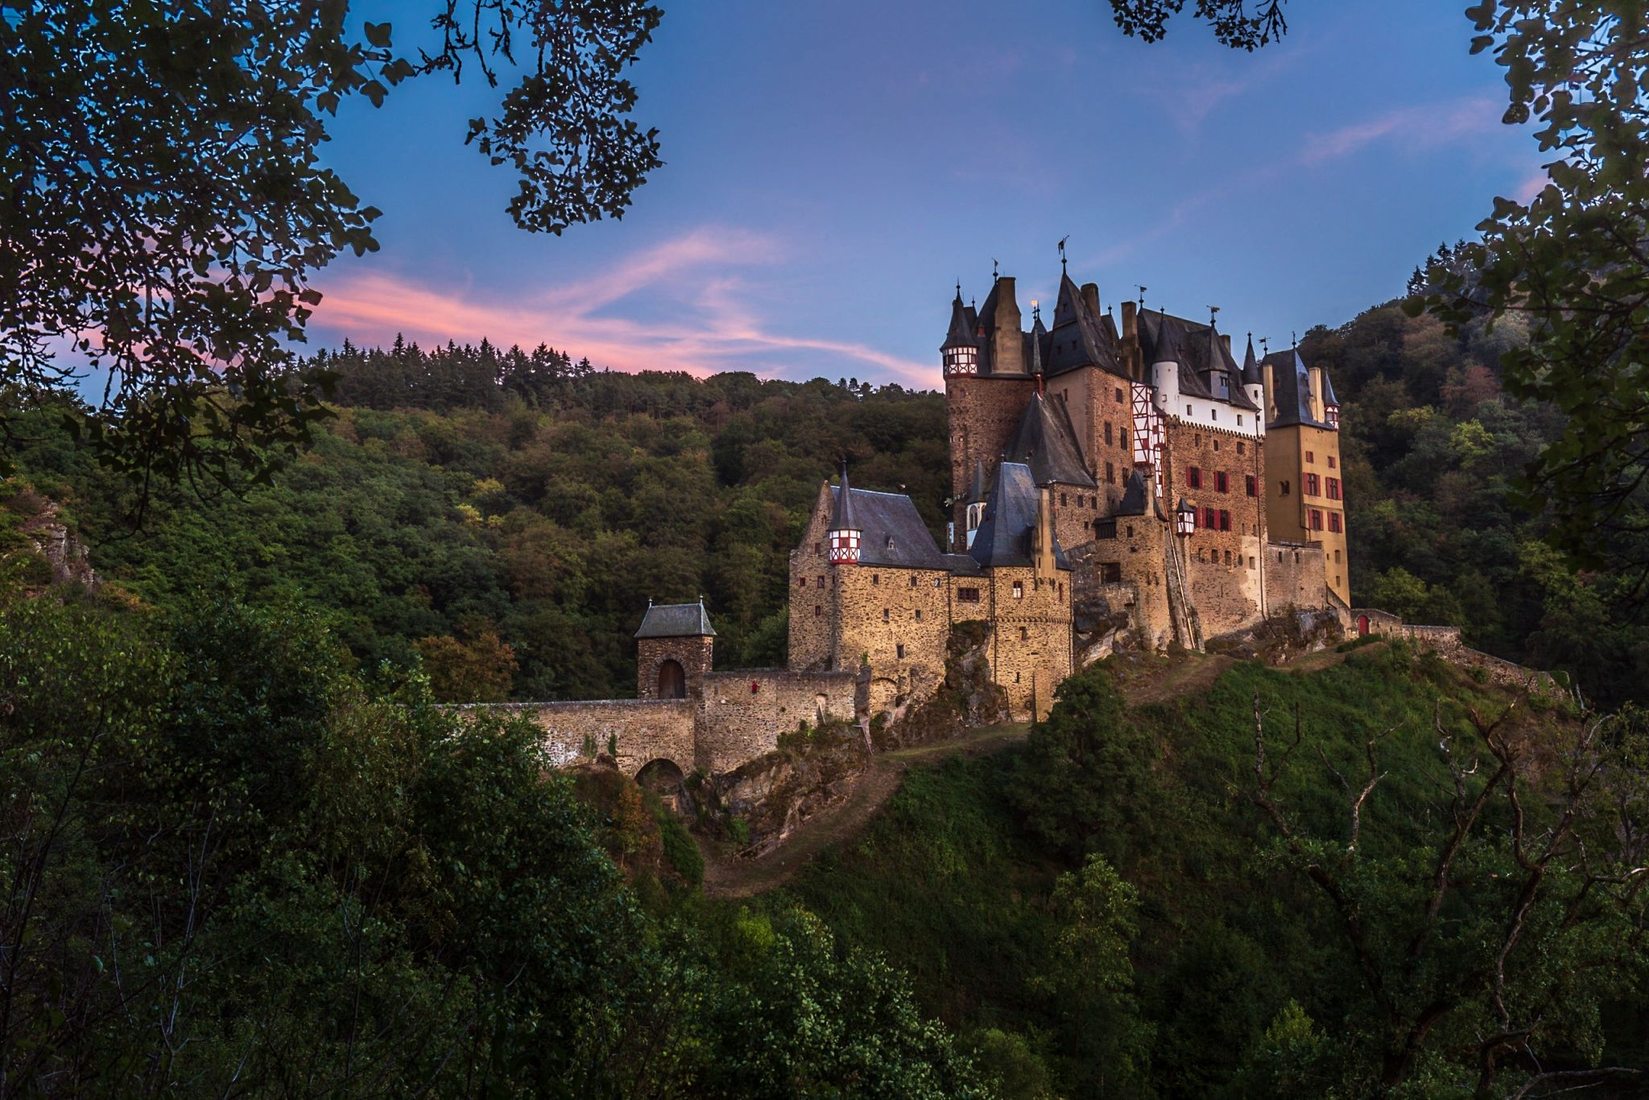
(1304, 490)
(675, 647)
(986, 388)
(845, 536)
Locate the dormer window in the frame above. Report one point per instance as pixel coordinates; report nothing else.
(890, 542)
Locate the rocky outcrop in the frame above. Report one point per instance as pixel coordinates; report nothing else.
(761, 803)
(59, 557)
(966, 699)
(1283, 636)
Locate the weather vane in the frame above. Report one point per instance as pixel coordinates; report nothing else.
(994, 269)
(1213, 311)
(1142, 290)
(1062, 241)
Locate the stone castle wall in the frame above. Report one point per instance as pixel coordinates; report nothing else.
(694, 654)
(740, 715)
(1030, 644)
(1445, 641)
(641, 730)
(1222, 567)
(984, 414)
(1294, 575)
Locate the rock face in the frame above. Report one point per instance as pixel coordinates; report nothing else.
(64, 556)
(1283, 636)
(966, 699)
(813, 768)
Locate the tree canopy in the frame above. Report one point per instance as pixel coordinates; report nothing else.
(164, 209)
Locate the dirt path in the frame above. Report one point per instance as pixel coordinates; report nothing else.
(1327, 658)
(1145, 678)
(730, 876)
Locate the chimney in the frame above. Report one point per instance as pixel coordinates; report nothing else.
(1008, 349)
(1226, 340)
(1315, 374)
(1090, 298)
(1043, 550)
(1270, 393)
(1130, 342)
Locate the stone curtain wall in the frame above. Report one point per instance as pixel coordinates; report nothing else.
(1294, 576)
(643, 730)
(898, 620)
(1028, 667)
(742, 714)
(1445, 641)
(812, 592)
(1221, 567)
(984, 414)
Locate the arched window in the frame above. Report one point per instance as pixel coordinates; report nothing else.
(672, 681)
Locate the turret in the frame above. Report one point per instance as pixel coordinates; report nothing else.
(975, 501)
(1253, 382)
(960, 351)
(845, 534)
(1038, 334)
(1165, 371)
(1331, 404)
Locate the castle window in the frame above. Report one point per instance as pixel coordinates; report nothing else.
(1225, 521)
(817, 611)
(1215, 413)
(890, 542)
(1122, 438)
(1336, 557)
(1018, 590)
(1110, 572)
(1216, 444)
(1334, 522)
(821, 583)
(1016, 677)
(1296, 557)
(1284, 486)
(1311, 484)
(1193, 477)
(1107, 433)
(1239, 442)
(1251, 561)
(1333, 488)
(1119, 397)
(884, 614)
(1024, 634)
(1251, 485)
(918, 614)
(1188, 410)
(967, 595)
(1130, 530)
(1105, 528)
(1331, 462)
(1239, 424)
(1222, 482)
(1110, 474)
(818, 549)
(1064, 499)
(1311, 456)
(1316, 519)
(937, 581)
(801, 582)
(1228, 557)
(899, 651)
(913, 580)
(875, 578)
(1211, 519)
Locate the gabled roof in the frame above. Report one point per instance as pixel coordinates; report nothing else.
(1292, 386)
(1133, 497)
(894, 533)
(1079, 337)
(676, 620)
(1004, 535)
(1046, 443)
(1200, 353)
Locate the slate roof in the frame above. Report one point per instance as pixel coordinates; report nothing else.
(962, 565)
(1292, 390)
(1200, 353)
(1328, 392)
(980, 485)
(1133, 497)
(1079, 337)
(1004, 536)
(676, 620)
(1047, 443)
(1251, 373)
(962, 326)
(885, 516)
(842, 517)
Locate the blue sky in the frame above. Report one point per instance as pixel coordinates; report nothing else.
(833, 169)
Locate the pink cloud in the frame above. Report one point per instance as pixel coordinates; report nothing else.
(693, 276)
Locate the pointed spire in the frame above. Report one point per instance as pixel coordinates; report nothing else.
(977, 491)
(845, 535)
(842, 519)
(1251, 375)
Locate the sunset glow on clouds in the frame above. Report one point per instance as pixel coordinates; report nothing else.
(699, 280)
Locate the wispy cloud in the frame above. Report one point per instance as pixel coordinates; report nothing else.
(697, 280)
(1409, 128)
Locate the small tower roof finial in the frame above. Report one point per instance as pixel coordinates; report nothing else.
(996, 272)
(1142, 290)
(1062, 241)
(1213, 312)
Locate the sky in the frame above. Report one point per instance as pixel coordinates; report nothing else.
(832, 170)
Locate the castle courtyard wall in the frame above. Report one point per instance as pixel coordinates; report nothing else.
(640, 730)
(1294, 575)
(742, 714)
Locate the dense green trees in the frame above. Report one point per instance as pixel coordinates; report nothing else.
(229, 866)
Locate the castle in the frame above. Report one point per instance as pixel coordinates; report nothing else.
(1110, 485)
(1133, 478)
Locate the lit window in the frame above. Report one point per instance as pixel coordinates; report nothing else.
(1018, 590)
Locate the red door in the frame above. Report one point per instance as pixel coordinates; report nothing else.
(1362, 626)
